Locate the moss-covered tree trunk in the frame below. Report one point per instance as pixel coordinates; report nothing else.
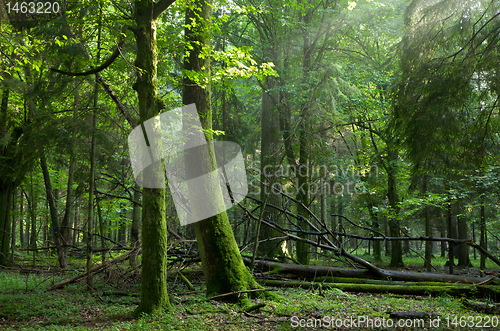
(223, 266)
(154, 296)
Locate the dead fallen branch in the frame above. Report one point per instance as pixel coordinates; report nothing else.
(91, 271)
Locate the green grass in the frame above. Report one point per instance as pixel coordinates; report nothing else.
(25, 305)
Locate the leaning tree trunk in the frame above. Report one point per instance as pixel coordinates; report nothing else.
(223, 266)
(56, 228)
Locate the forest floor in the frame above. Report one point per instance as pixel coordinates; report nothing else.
(25, 304)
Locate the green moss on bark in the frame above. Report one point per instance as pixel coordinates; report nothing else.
(223, 266)
(154, 296)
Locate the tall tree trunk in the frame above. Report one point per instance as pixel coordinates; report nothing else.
(443, 235)
(7, 185)
(101, 227)
(428, 228)
(303, 255)
(482, 240)
(5, 223)
(70, 198)
(122, 230)
(463, 250)
(376, 226)
(449, 221)
(154, 228)
(90, 211)
(269, 165)
(394, 226)
(32, 208)
(21, 219)
(223, 266)
(55, 227)
(13, 233)
(75, 222)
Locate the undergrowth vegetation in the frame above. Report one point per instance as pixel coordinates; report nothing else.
(25, 304)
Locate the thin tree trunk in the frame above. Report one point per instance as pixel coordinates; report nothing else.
(449, 219)
(70, 198)
(394, 226)
(428, 229)
(269, 165)
(52, 208)
(303, 255)
(463, 250)
(482, 240)
(136, 221)
(90, 212)
(101, 228)
(5, 223)
(32, 207)
(21, 219)
(14, 221)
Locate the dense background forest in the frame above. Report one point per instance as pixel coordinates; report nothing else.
(369, 131)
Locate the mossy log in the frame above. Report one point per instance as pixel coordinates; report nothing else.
(317, 271)
(409, 315)
(482, 307)
(376, 281)
(489, 291)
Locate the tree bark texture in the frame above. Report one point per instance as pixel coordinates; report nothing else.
(154, 228)
(223, 266)
(269, 165)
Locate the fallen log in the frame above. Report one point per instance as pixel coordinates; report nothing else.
(489, 291)
(481, 307)
(377, 281)
(410, 315)
(315, 271)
